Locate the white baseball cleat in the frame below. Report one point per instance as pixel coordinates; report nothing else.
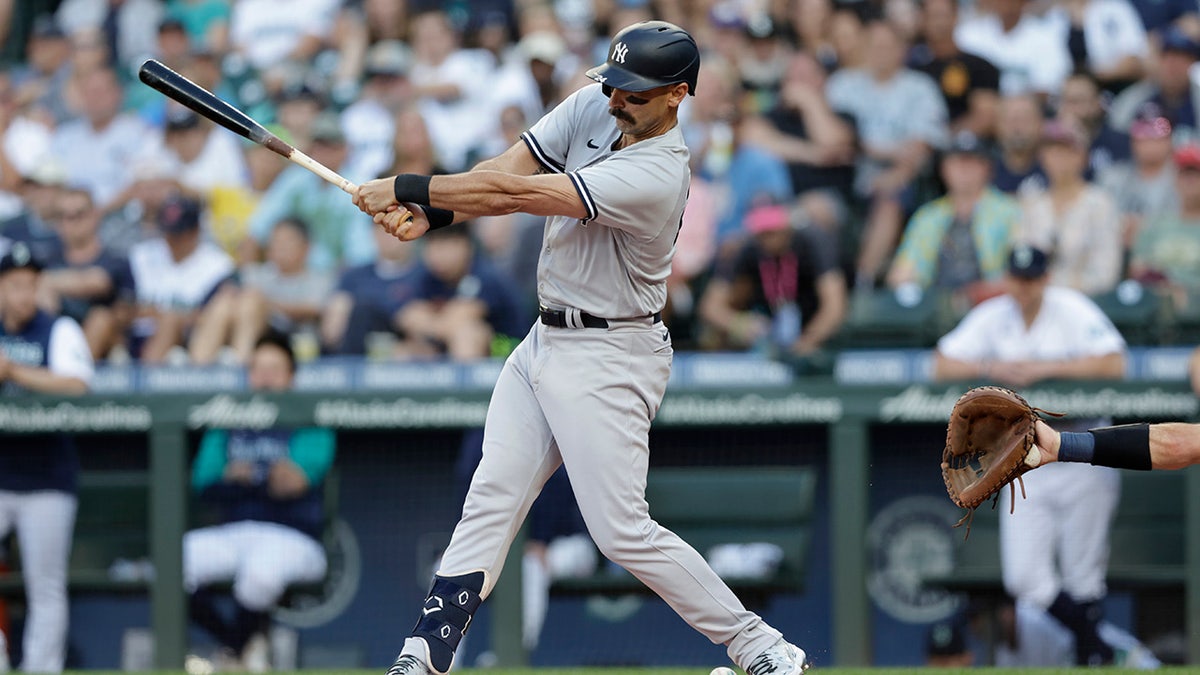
(407, 664)
(781, 658)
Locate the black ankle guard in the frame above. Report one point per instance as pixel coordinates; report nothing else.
(447, 615)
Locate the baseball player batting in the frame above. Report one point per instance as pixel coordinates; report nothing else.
(609, 169)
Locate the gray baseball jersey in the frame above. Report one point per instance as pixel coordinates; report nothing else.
(585, 397)
(615, 262)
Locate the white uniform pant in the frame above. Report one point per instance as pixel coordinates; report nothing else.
(45, 522)
(1058, 538)
(585, 398)
(262, 559)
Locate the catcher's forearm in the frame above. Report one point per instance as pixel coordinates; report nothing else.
(1167, 446)
(1126, 446)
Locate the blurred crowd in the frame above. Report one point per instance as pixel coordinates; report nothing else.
(839, 149)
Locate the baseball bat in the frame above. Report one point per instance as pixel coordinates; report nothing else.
(204, 102)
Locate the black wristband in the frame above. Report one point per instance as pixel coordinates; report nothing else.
(1123, 447)
(411, 187)
(438, 218)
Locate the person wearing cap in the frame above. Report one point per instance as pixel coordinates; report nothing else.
(1166, 252)
(1073, 218)
(1039, 331)
(946, 645)
(339, 234)
(1144, 186)
(1168, 86)
(901, 119)
(782, 292)
(45, 354)
(608, 169)
(175, 275)
(206, 157)
(959, 242)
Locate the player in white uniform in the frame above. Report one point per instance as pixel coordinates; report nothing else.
(38, 472)
(1054, 548)
(609, 169)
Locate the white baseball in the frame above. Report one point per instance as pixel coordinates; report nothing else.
(722, 670)
(1034, 456)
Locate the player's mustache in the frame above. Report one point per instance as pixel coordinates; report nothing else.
(620, 114)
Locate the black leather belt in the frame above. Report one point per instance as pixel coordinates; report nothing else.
(558, 318)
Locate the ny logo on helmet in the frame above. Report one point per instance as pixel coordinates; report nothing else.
(619, 52)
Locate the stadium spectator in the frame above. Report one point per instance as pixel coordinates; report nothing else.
(463, 304)
(1029, 49)
(266, 486)
(783, 293)
(412, 146)
(370, 121)
(206, 156)
(969, 83)
(205, 21)
(38, 192)
(1082, 104)
(24, 141)
(128, 27)
(1073, 219)
(339, 232)
(281, 293)
(39, 353)
(1105, 38)
(901, 118)
(40, 82)
(1166, 251)
(87, 282)
(174, 275)
(1168, 86)
(1144, 186)
(816, 141)
(959, 243)
(809, 25)
(368, 297)
(446, 81)
(276, 40)
(232, 206)
(1018, 135)
(111, 140)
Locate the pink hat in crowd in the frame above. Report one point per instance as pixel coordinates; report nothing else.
(1152, 127)
(767, 218)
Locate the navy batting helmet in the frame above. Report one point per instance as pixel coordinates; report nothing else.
(647, 55)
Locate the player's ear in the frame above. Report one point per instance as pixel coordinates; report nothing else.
(677, 94)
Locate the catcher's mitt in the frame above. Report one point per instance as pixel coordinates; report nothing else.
(990, 434)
